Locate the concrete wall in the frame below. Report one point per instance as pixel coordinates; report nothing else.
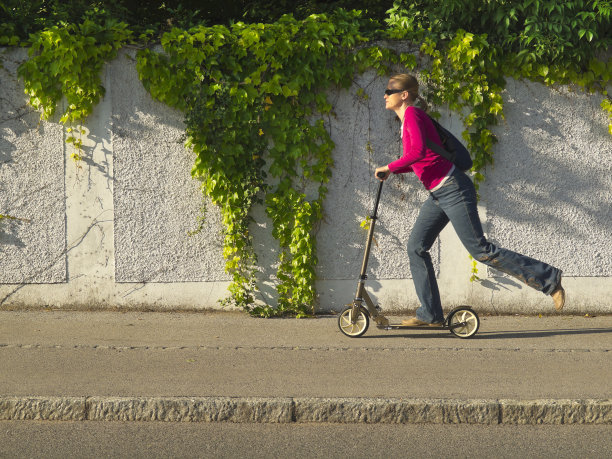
(113, 230)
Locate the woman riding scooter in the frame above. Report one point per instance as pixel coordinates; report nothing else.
(452, 197)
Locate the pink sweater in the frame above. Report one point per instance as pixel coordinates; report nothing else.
(428, 166)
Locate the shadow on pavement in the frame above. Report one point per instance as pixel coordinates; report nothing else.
(498, 334)
(540, 333)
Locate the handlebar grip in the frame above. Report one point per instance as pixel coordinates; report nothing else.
(380, 175)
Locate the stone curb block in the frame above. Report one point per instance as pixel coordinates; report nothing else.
(205, 409)
(43, 408)
(397, 411)
(556, 411)
(288, 410)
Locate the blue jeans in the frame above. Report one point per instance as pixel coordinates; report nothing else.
(456, 202)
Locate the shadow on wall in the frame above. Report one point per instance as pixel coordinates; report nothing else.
(156, 201)
(9, 229)
(49, 264)
(95, 143)
(133, 107)
(366, 136)
(549, 194)
(547, 197)
(6, 149)
(498, 283)
(16, 118)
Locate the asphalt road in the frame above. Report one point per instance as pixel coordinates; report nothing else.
(32, 439)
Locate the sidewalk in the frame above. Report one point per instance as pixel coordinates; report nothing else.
(229, 366)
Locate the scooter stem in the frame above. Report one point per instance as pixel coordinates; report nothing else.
(373, 218)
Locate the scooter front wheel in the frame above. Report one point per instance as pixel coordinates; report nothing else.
(463, 322)
(353, 328)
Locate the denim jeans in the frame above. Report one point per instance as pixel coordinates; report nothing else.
(456, 202)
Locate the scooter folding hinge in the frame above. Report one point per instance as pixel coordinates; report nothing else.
(381, 321)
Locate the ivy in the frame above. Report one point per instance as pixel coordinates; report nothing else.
(460, 76)
(7, 39)
(253, 95)
(10, 217)
(66, 63)
(469, 48)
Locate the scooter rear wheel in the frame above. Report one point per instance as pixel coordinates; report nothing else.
(356, 328)
(467, 317)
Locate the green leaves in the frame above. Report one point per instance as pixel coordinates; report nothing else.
(463, 73)
(553, 31)
(606, 104)
(66, 62)
(249, 92)
(468, 58)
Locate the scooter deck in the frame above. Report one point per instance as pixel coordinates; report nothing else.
(417, 327)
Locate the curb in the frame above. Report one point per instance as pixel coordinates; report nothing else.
(303, 410)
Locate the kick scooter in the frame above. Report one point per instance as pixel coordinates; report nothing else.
(355, 318)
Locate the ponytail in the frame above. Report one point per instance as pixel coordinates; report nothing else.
(421, 103)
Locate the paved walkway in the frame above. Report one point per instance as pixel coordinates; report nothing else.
(228, 366)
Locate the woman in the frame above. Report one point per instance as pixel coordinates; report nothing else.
(452, 197)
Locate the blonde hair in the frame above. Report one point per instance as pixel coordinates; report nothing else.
(410, 84)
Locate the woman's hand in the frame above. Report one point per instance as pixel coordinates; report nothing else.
(382, 173)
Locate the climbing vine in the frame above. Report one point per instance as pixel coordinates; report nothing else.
(65, 62)
(253, 96)
(542, 40)
(10, 217)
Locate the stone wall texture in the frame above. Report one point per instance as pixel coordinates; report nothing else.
(32, 246)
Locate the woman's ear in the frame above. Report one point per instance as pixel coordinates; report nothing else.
(407, 97)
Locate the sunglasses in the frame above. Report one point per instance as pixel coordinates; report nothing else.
(388, 92)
